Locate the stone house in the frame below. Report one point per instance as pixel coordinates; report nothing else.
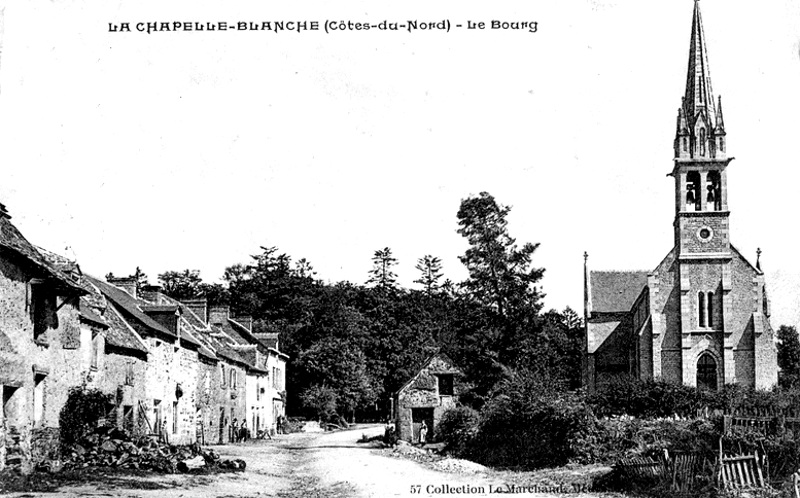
(39, 344)
(170, 374)
(701, 316)
(426, 396)
(259, 409)
(275, 400)
(113, 357)
(221, 389)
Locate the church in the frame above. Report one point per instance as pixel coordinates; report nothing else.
(701, 317)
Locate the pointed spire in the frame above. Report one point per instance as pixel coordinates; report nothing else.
(587, 291)
(720, 124)
(699, 96)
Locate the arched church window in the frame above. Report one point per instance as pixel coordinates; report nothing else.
(701, 309)
(710, 303)
(707, 372)
(722, 144)
(702, 141)
(684, 144)
(714, 191)
(693, 191)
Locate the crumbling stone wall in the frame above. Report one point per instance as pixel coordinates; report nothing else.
(25, 359)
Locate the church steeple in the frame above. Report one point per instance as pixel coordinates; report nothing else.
(701, 190)
(701, 130)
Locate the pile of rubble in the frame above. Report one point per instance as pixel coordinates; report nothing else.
(111, 447)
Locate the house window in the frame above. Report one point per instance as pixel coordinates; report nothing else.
(233, 379)
(174, 417)
(42, 309)
(38, 399)
(127, 418)
(129, 374)
(95, 352)
(445, 384)
(222, 375)
(157, 425)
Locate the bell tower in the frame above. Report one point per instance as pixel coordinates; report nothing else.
(701, 193)
(702, 244)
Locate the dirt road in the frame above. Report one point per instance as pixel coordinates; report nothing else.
(311, 465)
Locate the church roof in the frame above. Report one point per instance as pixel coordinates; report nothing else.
(699, 97)
(616, 291)
(598, 332)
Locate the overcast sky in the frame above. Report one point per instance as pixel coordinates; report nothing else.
(190, 150)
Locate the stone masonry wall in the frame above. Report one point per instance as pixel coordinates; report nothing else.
(422, 393)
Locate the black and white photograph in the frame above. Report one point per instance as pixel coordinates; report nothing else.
(372, 249)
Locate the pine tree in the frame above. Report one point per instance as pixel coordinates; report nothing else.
(430, 268)
(381, 274)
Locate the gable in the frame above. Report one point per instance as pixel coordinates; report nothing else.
(439, 363)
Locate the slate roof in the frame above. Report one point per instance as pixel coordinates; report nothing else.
(12, 239)
(218, 347)
(599, 332)
(616, 291)
(119, 333)
(270, 340)
(88, 314)
(130, 305)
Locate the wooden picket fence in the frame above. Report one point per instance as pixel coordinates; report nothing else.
(680, 471)
(768, 422)
(677, 471)
(741, 472)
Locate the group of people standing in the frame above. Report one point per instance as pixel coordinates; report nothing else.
(240, 433)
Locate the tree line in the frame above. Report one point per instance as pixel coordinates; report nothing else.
(353, 345)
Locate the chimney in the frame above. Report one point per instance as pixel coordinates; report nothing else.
(128, 284)
(199, 307)
(152, 294)
(219, 313)
(246, 321)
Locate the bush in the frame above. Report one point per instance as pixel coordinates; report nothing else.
(526, 424)
(457, 427)
(81, 413)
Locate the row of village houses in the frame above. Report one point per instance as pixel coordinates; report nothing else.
(186, 371)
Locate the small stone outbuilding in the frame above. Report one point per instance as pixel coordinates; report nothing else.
(426, 396)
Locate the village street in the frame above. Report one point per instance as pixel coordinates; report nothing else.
(306, 465)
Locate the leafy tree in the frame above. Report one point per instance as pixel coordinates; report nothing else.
(381, 273)
(181, 284)
(321, 400)
(788, 356)
(430, 268)
(342, 366)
